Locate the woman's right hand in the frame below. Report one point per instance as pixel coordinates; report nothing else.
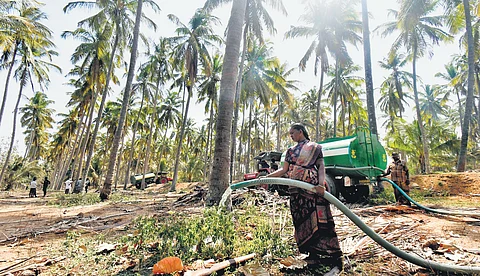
(320, 189)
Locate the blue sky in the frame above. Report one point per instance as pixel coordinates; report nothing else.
(290, 51)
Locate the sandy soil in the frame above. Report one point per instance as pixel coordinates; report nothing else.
(29, 225)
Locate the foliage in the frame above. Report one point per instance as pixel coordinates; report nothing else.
(69, 200)
(19, 172)
(212, 235)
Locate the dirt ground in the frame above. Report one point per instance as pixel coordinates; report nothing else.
(28, 226)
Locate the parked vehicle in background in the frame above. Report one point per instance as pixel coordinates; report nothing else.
(160, 178)
(267, 162)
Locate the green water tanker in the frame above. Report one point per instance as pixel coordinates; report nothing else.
(353, 163)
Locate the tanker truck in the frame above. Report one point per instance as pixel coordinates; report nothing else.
(352, 164)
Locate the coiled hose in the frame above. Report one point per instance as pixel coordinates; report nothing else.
(445, 212)
(355, 219)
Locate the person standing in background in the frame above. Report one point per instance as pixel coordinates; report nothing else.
(46, 182)
(33, 188)
(68, 186)
(400, 176)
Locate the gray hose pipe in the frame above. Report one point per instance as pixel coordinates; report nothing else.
(444, 212)
(355, 219)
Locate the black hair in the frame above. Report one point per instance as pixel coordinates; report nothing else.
(301, 127)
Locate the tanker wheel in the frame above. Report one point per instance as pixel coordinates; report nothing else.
(356, 194)
(163, 180)
(332, 188)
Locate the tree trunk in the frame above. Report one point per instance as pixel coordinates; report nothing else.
(219, 180)
(419, 116)
(279, 128)
(462, 157)
(12, 139)
(206, 163)
(149, 140)
(249, 138)
(132, 148)
(119, 161)
(90, 118)
(238, 91)
(180, 139)
(335, 93)
(460, 112)
(107, 186)
(372, 119)
(318, 132)
(70, 154)
(7, 81)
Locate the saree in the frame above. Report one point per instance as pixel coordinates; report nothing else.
(314, 226)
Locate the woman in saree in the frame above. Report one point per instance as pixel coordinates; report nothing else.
(314, 226)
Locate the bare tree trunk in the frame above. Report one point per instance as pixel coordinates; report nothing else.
(119, 162)
(318, 132)
(206, 163)
(107, 186)
(180, 141)
(249, 138)
(219, 181)
(7, 81)
(149, 140)
(132, 147)
(419, 116)
(12, 139)
(372, 119)
(462, 157)
(238, 91)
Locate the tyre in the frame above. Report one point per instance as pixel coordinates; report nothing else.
(332, 188)
(356, 194)
(163, 180)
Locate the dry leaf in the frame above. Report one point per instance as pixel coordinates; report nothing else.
(292, 263)
(168, 265)
(83, 248)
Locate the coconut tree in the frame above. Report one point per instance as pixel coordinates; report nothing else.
(91, 54)
(220, 180)
(367, 59)
(282, 86)
(332, 23)
(345, 86)
(169, 116)
(32, 66)
(24, 23)
(393, 98)
(432, 103)
(208, 92)
(452, 6)
(126, 95)
(37, 118)
(455, 81)
(257, 18)
(418, 30)
(319, 25)
(256, 84)
(191, 50)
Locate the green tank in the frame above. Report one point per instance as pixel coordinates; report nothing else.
(360, 156)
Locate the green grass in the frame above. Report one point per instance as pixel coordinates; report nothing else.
(427, 197)
(70, 200)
